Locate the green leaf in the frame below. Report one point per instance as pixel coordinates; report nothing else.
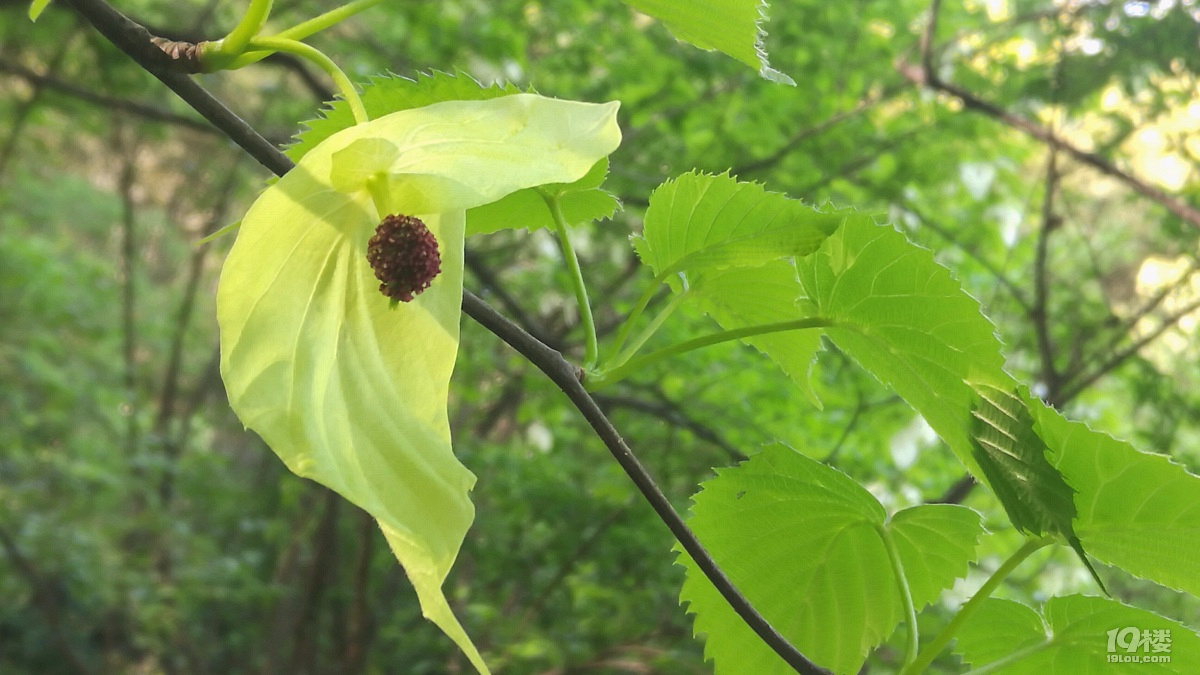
(906, 320)
(1014, 459)
(699, 223)
(724, 242)
(1073, 636)
(732, 27)
(1138, 511)
(803, 542)
(36, 8)
(755, 296)
(347, 391)
(936, 542)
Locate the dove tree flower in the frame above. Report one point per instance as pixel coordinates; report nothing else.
(350, 387)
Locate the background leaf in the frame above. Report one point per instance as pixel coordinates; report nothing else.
(733, 27)
(36, 8)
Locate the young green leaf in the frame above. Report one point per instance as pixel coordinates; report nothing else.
(699, 223)
(1075, 634)
(581, 201)
(1138, 511)
(804, 543)
(726, 242)
(1017, 464)
(936, 542)
(732, 27)
(346, 390)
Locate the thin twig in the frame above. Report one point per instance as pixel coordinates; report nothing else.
(129, 271)
(945, 233)
(670, 412)
(1120, 357)
(25, 108)
(865, 104)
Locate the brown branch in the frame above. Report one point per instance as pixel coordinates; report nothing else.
(957, 492)
(802, 135)
(926, 75)
(1041, 286)
(359, 624)
(492, 285)
(168, 398)
(25, 108)
(948, 235)
(1152, 304)
(1120, 357)
(129, 270)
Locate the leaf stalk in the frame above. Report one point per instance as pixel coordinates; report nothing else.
(305, 29)
(913, 644)
(604, 378)
(233, 44)
(344, 85)
(592, 348)
(943, 638)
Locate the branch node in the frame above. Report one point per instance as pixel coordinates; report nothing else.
(183, 55)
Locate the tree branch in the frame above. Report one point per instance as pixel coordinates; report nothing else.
(1041, 286)
(866, 103)
(135, 41)
(1120, 357)
(926, 75)
(567, 377)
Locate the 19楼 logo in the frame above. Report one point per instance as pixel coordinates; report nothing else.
(1134, 645)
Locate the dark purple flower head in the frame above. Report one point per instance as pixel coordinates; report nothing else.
(404, 255)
